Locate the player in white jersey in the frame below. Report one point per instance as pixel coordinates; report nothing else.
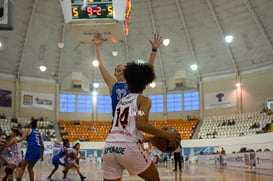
(72, 162)
(124, 148)
(15, 156)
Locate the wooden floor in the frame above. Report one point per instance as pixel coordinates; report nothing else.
(188, 173)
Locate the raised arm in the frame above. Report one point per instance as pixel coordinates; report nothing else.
(109, 80)
(155, 45)
(144, 105)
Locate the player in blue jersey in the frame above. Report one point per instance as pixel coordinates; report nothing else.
(35, 150)
(117, 87)
(58, 158)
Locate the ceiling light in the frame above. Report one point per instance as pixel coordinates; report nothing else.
(96, 85)
(152, 85)
(114, 53)
(229, 38)
(94, 93)
(60, 45)
(43, 68)
(166, 42)
(1, 44)
(194, 67)
(95, 63)
(238, 84)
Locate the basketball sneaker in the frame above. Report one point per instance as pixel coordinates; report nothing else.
(65, 179)
(49, 178)
(82, 178)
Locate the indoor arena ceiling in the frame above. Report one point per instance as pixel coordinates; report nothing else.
(196, 29)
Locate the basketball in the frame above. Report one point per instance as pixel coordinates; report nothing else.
(163, 144)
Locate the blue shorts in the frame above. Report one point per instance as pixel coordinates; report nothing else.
(33, 154)
(56, 161)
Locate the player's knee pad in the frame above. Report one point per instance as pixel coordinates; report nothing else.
(8, 171)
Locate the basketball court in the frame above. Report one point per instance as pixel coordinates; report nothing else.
(190, 172)
(208, 73)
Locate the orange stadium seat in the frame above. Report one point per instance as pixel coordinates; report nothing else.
(98, 130)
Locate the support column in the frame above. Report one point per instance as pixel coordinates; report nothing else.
(201, 100)
(17, 98)
(57, 102)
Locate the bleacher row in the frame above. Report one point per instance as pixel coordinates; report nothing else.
(98, 130)
(221, 126)
(45, 127)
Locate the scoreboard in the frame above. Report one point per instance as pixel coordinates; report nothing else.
(6, 14)
(86, 18)
(92, 10)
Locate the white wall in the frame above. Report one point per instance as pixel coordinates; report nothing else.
(229, 144)
(256, 88)
(234, 143)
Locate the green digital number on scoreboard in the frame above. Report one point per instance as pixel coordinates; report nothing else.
(91, 9)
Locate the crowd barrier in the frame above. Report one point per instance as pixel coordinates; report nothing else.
(263, 160)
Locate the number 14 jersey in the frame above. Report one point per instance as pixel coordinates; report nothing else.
(124, 123)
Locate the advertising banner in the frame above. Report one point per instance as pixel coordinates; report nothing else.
(264, 160)
(49, 146)
(220, 100)
(5, 98)
(37, 100)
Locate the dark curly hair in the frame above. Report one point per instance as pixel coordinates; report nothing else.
(138, 75)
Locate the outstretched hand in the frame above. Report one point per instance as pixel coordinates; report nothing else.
(98, 40)
(156, 42)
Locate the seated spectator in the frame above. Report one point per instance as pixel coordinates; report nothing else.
(214, 133)
(229, 123)
(223, 152)
(233, 122)
(255, 125)
(3, 116)
(14, 120)
(41, 118)
(266, 128)
(266, 149)
(224, 123)
(269, 112)
(209, 133)
(259, 150)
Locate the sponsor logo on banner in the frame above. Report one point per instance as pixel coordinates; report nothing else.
(264, 160)
(49, 145)
(28, 100)
(37, 100)
(220, 100)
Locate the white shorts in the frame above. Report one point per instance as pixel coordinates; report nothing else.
(16, 160)
(120, 156)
